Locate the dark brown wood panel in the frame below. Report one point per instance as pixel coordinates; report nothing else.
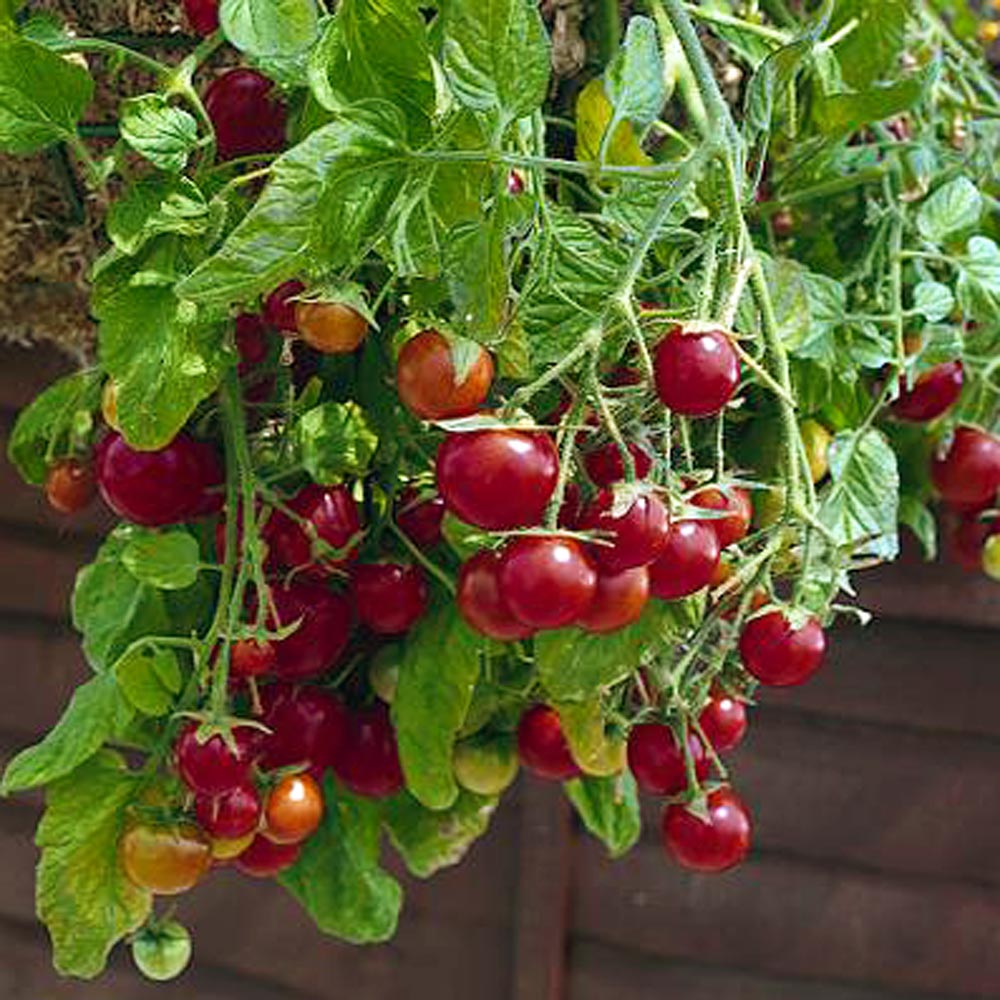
(37, 574)
(25, 371)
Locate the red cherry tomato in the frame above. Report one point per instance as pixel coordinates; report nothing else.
(70, 486)
(482, 604)
(697, 372)
(968, 538)
(323, 632)
(638, 535)
(249, 658)
(154, 488)
(498, 479)
(687, 562)
(657, 762)
(604, 465)
(248, 116)
(279, 306)
(420, 519)
(308, 727)
(425, 378)
(165, 860)
(294, 809)
(203, 15)
(330, 327)
(547, 582)
(779, 655)
(542, 747)
(333, 514)
(723, 721)
(739, 512)
(211, 767)
(265, 859)
(618, 601)
(715, 845)
(934, 393)
(388, 598)
(967, 474)
(369, 762)
(251, 341)
(229, 816)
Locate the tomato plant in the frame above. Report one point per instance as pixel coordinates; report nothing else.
(435, 430)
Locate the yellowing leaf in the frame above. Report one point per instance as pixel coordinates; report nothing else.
(593, 116)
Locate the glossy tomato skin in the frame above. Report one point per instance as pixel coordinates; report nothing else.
(153, 488)
(485, 767)
(330, 327)
(249, 658)
(738, 508)
(933, 394)
(334, 515)
(420, 519)
(968, 538)
(481, 602)
(309, 727)
(657, 762)
(369, 764)
(723, 721)
(717, 845)
(605, 467)
(778, 654)
(697, 372)
(165, 860)
(388, 598)
(211, 767)
(248, 116)
(498, 479)
(265, 859)
(251, 341)
(323, 633)
(967, 474)
(425, 378)
(542, 746)
(638, 535)
(229, 816)
(546, 581)
(279, 306)
(687, 563)
(618, 601)
(202, 15)
(70, 486)
(294, 809)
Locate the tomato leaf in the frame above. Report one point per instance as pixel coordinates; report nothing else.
(168, 560)
(164, 134)
(871, 51)
(338, 878)
(951, 210)
(270, 27)
(933, 301)
(83, 895)
(594, 116)
(335, 440)
(150, 678)
(634, 80)
(157, 205)
(919, 518)
(979, 280)
(429, 840)
(476, 266)
(609, 809)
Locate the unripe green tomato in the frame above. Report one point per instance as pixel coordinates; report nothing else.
(816, 439)
(486, 768)
(991, 558)
(163, 952)
(383, 674)
(768, 506)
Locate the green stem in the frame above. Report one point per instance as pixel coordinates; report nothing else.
(439, 574)
(729, 21)
(104, 47)
(608, 418)
(589, 343)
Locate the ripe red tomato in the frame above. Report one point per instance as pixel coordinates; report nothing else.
(251, 341)
(203, 15)
(211, 767)
(420, 519)
(249, 658)
(309, 727)
(177, 483)
(934, 393)
(279, 307)
(736, 502)
(542, 747)
(657, 762)
(778, 654)
(968, 538)
(425, 378)
(687, 563)
(265, 859)
(229, 816)
(324, 629)
(482, 604)
(967, 474)
(723, 721)
(368, 764)
(715, 845)
(498, 479)
(604, 465)
(248, 116)
(333, 514)
(165, 860)
(697, 372)
(294, 809)
(638, 534)
(388, 598)
(330, 327)
(547, 582)
(618, 601)
(70, 485)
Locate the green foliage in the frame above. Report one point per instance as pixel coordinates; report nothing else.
(335, 440)
(164, 134)
(609, 809)
(168, 560)
(270, 27)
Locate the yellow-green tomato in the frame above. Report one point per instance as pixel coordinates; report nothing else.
(485, 767)
(162, 952)
(383, 673)
(991, 557)
(816, 439)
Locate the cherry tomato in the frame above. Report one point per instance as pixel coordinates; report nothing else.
(991, 557)
(249, 658)
(420, 519)
(572, 507)
(294, 809)
(934, 393)
(816, 439)
(739, 512)
(279, 307)
(967, 539)
(70, 486)
(334, 516)
(515, 183)
(687, 562)
(203, 15)
(212, 767)
(604, 465)
(723, 721)
(542, 747)
(109, 404)
(265, 859)
(248, 116)
(778, 654)
(967, 473)
(154, 488)
(388, 598)
(251, 341)
(657, 762)
(330, 327)
(638, 534)
(485, 767)
(309, 727)
(324, 629)
(383, 673)
(547, 582)
(227, 850)
(713, 845)
(229, 816)
(165, 860)
(369, 763)
(162, 953)
(426, 382)
(618, 601)
(498, 479)
(697, 371)
(482, 604)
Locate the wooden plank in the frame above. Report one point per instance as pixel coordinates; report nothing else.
(25, 371)
(39, 578)
(789, 919)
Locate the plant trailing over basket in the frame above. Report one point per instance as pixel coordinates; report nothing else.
(456, 420)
